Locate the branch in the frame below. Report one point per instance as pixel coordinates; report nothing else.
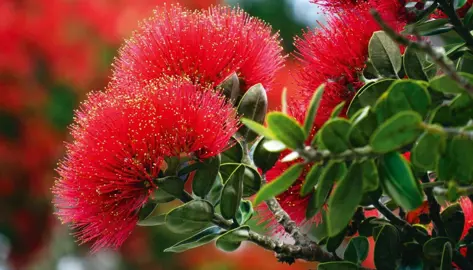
(457, 23)
(423, 46)
(313, 155)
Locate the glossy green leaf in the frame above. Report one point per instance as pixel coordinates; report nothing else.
(433, 249)
(461, 149)
(387, 248)
(263, 158)
(468, 19)
(370, 175)
(232, 193)
(245, 212)
(366, 227)
(286, 129)
(311, 180)
(432, 27)
(447, 256)
(337, 266)
(337, 110)
(161, 196)
(311, 209)
(415, 63)
(409, 95)
(148, 213)
(364, 123)
(313, 108)
(190, 217)
(205, 176)
(153, 220)
(357, 250)
(251, 177)
(234, 154)
(172, 185)
(427, 150)
(453, 220)
(398, 131)
(332, 173)
(384, 54)
(445, 84)
(231, 240)
(197, 240)
(345, 199)
(253, 105)
(258, 128)
(231, 87)
(334, 135)
(459, 3)
(335, 241)
(398, 181)
(280, 184)
(214, 195)
(368, 95)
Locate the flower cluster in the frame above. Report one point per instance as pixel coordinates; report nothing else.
(163, 102)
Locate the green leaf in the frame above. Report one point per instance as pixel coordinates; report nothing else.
(274, 146)
(197, 240)
(286, 129)
(280, 184)
(427, 149)
(432, 27)
(251, 177)
(398, 131)
(262, 158)
(459, 3)
(399, 182)
(366, 227)
(190, 168)
(214, 195)
(415, 63)
(313, 108)
(337, 110)
(460, 150)
(234, 154)
(368, 95)
(447, 256)
(190, 217)
(384, 54)
(445, 84)
(467, 20)
(231, 87)
(409, 95)
(205, 176)
(387, 248)
(335, 241)
(433, 249)
(161, 196)
(334, 135)
(231, 240)
(311, 209)
(148, 213)
(364, 123)
(173, 185)
(337, 266)
(370, 175)
(245, 212)
(453, 220)
(357, 250)
(253, 105)
(332, 172)
(232, 193)
(258, 128)
(311, 180)
(345, 199)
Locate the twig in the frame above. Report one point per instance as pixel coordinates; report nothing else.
(313, 155)
(425, 47)
(458, 25)
(434, 207)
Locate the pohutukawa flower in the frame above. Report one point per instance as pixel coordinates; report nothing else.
(120, 142)
(337, 5)
(336, 54)
(206, 46)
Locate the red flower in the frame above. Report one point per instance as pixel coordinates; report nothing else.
(337, 5)
(120, 142)
(467, 208)
(207, 46)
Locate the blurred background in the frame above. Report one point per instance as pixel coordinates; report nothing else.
(52, 52)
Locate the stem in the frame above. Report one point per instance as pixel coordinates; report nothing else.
(434, 207)
(440, 59)
(429, 185)
(457, 23)
(313, 155)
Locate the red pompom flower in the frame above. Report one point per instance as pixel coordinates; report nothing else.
(206, 46)
(120, 143)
